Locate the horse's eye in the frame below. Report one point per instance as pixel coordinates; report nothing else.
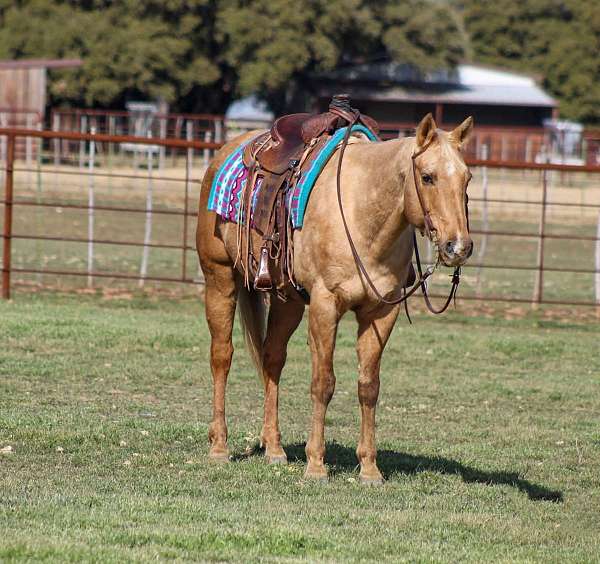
(427, 179)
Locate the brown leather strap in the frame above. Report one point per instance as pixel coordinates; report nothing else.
(453, 288)
(422, 276)
(429, 228)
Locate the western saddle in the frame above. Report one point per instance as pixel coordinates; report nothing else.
(277, 159)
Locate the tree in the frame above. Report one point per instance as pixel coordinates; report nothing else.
(198, 54)
(557, 39)
(428, 35)
(275, 47)
(152, 49)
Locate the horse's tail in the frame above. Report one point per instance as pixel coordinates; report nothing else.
(253, 314)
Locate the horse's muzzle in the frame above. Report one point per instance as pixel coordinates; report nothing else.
(456, 252)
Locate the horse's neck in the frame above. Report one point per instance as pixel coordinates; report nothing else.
(380, 205)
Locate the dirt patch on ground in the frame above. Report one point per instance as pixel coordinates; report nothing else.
(467, 308)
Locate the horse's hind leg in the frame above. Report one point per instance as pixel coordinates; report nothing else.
(284, 318)
(220, 312)
(374, 328)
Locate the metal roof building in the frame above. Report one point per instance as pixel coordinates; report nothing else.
(393, 92)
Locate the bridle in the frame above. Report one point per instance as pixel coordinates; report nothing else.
(429, 230)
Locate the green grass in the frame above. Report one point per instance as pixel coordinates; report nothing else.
(488, 435)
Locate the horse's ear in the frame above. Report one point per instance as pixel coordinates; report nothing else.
(462, 133)
(426, 130)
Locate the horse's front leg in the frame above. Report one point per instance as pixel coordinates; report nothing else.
(374, 328)
(323, 322)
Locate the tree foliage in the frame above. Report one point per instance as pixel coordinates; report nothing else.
(559, 40)
(276, 47)
(130, 49)
(198, 54)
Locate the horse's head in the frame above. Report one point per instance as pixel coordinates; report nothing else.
(438, 205)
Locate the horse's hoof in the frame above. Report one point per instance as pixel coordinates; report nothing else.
(277, 459)
(219, 457)
(316, 476)
(371, 480)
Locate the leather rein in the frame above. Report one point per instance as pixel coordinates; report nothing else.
(429, 229)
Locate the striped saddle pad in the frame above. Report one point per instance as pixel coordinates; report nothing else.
(230, 180)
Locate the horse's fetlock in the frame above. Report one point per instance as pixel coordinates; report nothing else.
(366, 454)
(270, 437)
(314, 454)
(217, 433)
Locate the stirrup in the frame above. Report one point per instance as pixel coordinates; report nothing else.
(263, 280)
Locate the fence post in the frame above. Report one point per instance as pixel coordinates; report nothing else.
(82, 143)
(56, 142)
(207, 139)
(528, 149)
(219, 131)
(2, 150)
(148, 226)
(597, 273)
(538, 292)
(162, 150)
(90, 265)
(137, 130)
(484, 217)
(177, 136)
(111, 148)
(39, 216)
(29, 151)
(8, 213)
(188, 172)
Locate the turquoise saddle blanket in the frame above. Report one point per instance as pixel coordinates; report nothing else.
(232, 176)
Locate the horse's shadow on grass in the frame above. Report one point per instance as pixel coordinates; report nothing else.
(341, 458)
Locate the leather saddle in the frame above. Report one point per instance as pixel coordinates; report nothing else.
(290, 134)
(278, 158)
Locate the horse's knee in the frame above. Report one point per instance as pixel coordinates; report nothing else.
(368, 390)
(273, 361)
(323, 387)
(221, 354)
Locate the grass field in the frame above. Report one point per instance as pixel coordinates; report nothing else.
(488, 434)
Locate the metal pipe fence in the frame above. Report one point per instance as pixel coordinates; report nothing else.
(199, 127)
(533, 228)
(15, 200)
(516, 143)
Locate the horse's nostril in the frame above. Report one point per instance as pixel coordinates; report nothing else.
(449, 247)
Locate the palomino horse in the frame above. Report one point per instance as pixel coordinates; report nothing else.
(382, 209)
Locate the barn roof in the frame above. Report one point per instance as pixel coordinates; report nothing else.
(40, 64)
(466, 84)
